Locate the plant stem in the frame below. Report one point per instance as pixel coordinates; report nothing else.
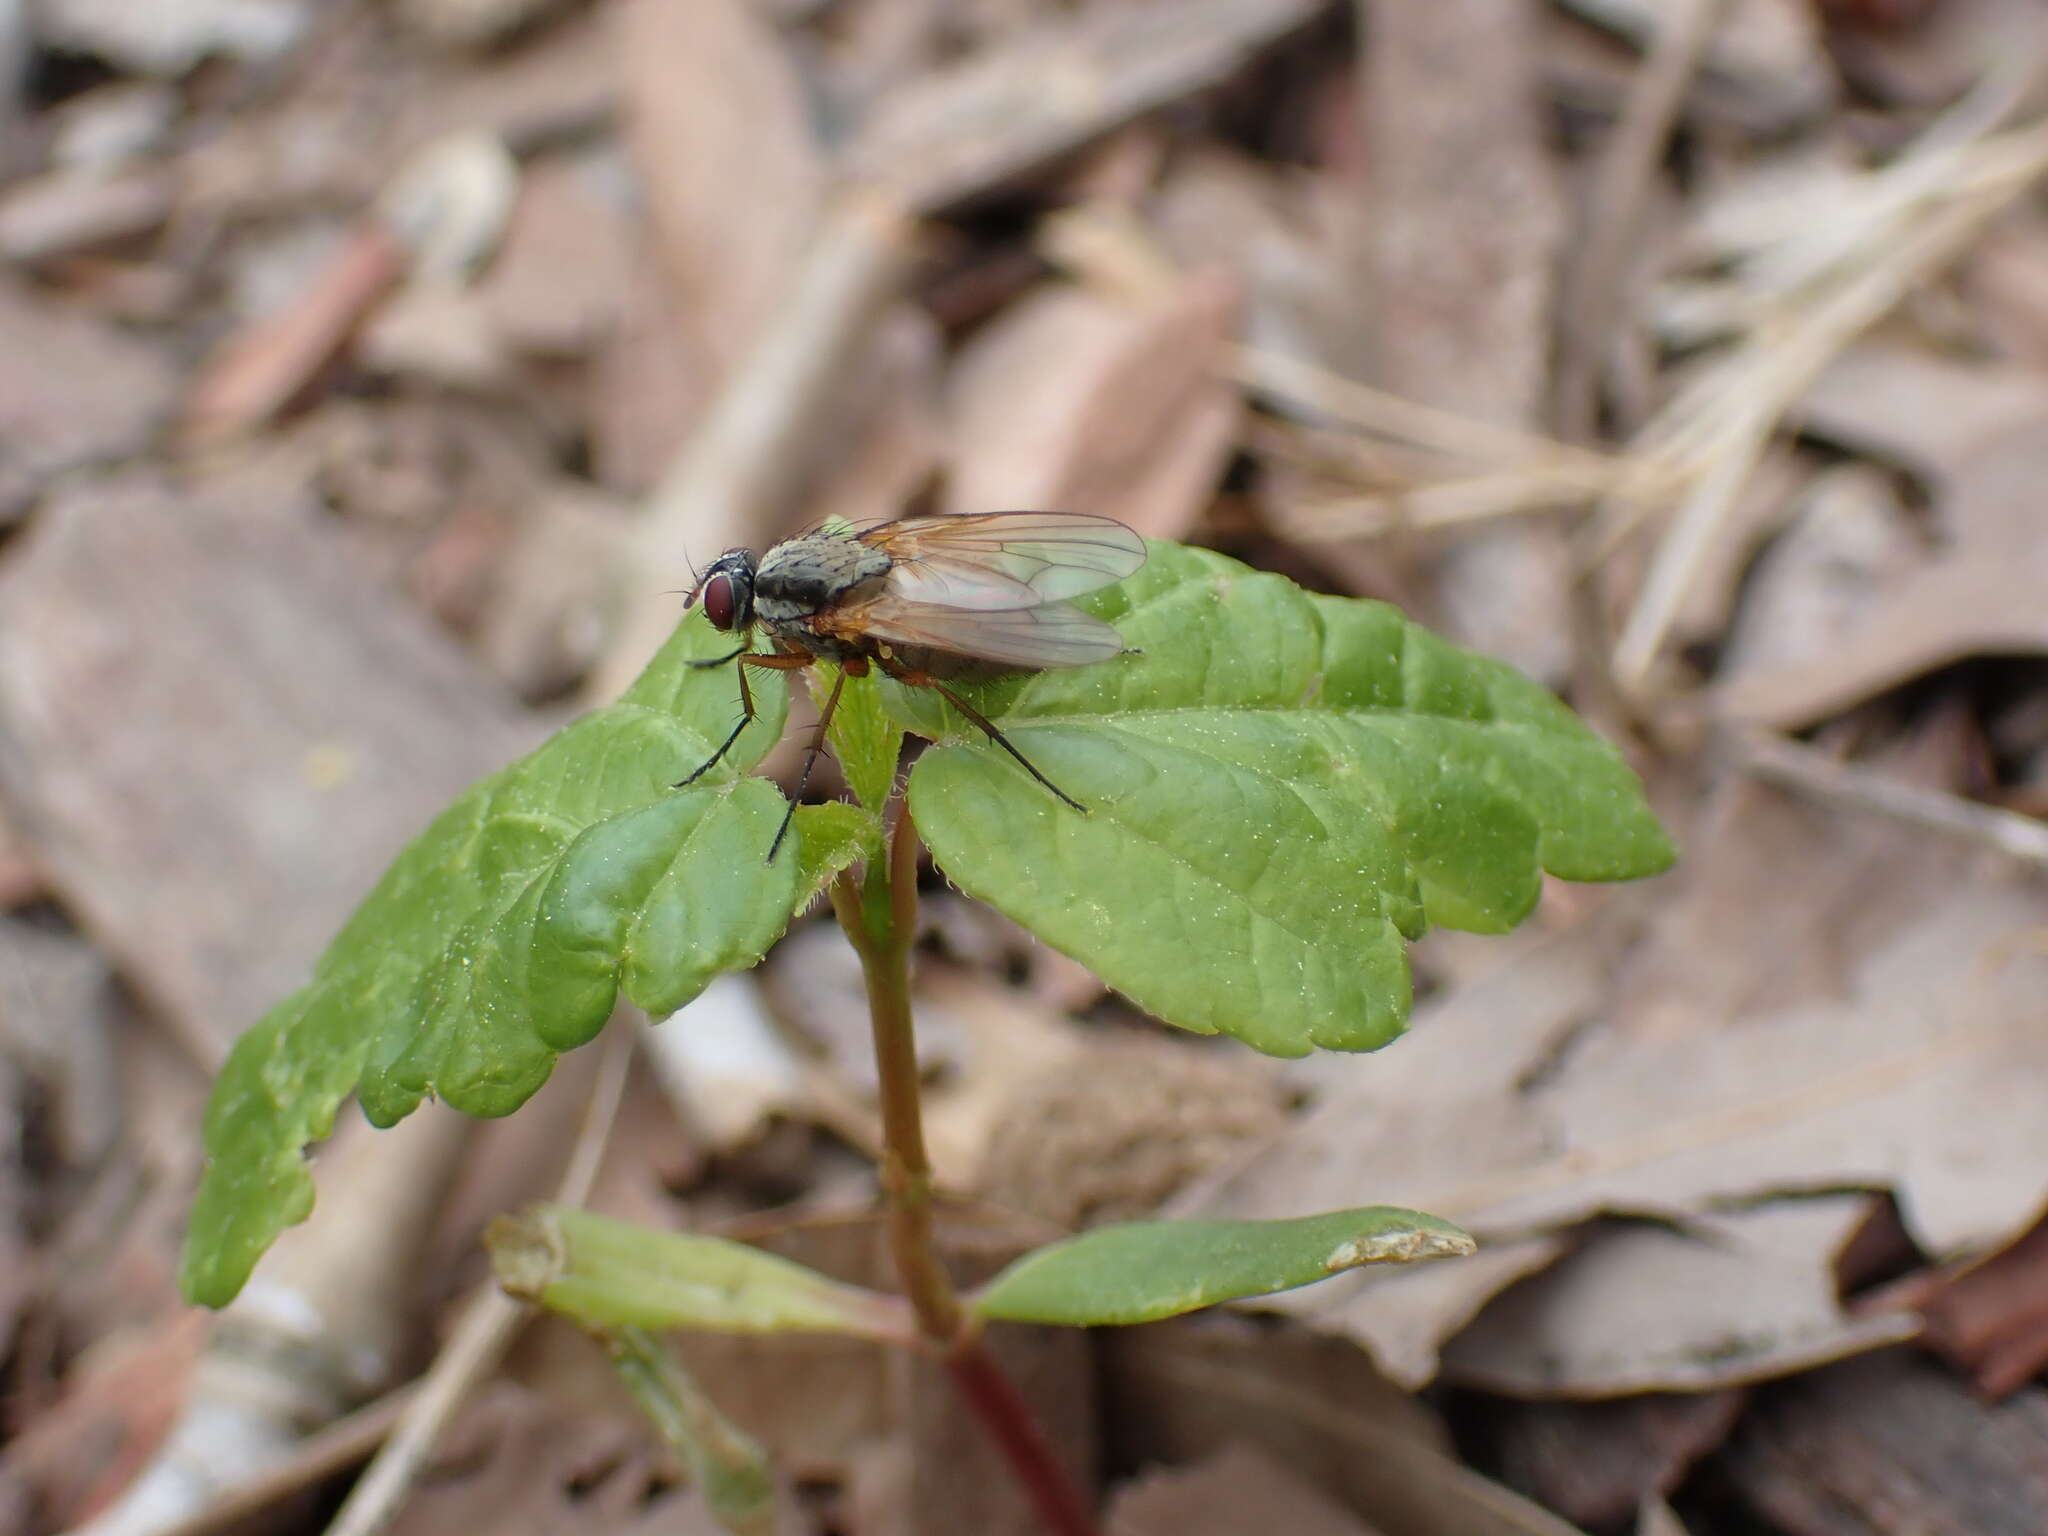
(1016, 1431)
(879, 914)
(882, 926)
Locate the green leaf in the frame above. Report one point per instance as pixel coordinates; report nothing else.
(834, 836)
(503, 936)
(602, 1273)
(864, 739)
(1146, 1270)
(1282, 789)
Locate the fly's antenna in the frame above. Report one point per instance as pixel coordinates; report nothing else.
(696, 581)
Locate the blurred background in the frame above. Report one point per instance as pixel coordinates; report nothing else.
(371, 374)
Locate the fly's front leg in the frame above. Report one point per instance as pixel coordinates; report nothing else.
(846, 670)
(746, 659)
(916, 679)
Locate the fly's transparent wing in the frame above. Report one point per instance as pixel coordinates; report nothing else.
(1004, 560)
(1050, 635)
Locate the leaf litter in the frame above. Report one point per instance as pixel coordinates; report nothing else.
(1233, 275)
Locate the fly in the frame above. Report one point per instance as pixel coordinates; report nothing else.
(923, 599)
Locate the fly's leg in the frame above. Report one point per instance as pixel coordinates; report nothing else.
(747, 712)
(915, 679)
(811, 757)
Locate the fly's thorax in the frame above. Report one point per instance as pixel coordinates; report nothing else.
(806, 576)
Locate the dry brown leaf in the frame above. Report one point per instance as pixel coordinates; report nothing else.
(1070, 399)
(1875, 400)
(1981, 596)
(1868, 1036)
(721, 137)
(1847, 537)
(1723, 1301)
(1766, 504)
(1235, 1491)
(1190, 1389)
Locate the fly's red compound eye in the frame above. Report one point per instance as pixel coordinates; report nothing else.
(721, 604)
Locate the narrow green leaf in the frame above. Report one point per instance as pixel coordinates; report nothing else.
(502, 936)
(1282, 789)
(601, 1273)
(727, 1467)
(1146, 1270)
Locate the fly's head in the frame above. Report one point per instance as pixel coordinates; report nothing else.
(727, 590)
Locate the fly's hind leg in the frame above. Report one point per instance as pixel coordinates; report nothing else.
(917, 679)
(746, 659)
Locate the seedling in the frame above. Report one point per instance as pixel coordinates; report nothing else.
(1282, 789)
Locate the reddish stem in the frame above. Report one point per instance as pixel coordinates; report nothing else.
(880, 919)
(1016, 1431)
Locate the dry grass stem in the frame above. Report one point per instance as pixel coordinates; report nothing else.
(1812, 772)
(1716, 430)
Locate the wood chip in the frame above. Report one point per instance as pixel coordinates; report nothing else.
(721, 137)
(1050, 90)
(1596, 1463)
(1071, 399)
(73, 392)
(1892, 1446)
